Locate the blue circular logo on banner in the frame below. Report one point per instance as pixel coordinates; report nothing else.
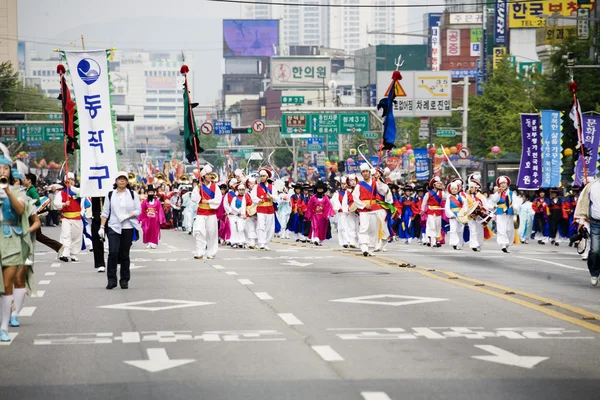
(88, 70)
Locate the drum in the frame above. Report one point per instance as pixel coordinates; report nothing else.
(516, 221)
(252, 209)
(463, 217)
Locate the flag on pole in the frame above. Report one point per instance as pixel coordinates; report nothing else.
(191, 140)
(70, 127)
(386, 105)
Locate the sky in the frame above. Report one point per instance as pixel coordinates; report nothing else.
(129, 25)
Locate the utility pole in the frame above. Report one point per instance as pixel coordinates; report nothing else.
(465, 121)
(430, 140)
(326, 134)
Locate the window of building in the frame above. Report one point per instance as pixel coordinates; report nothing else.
(167, 116)
(149, 116)
(167, 108)
(151, 100)
(150, 108)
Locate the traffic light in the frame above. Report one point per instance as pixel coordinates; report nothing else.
(125, 117)
(242, 130)
(9, 116)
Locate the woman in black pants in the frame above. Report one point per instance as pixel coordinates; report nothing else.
(121, 210)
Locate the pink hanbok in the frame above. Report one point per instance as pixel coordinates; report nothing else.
(318, 212)
(151, 218)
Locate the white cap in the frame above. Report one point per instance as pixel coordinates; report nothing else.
(71, 175)
(232, 182)
(252, 179)
(454, 185)
(207, 169)
(241, 187)
(386, 171)
(238, 172)
(364, 167)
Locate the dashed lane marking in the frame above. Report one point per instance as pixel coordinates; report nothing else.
(40, 293)
(553, 263)
(44, 282)
(231, 272)
(263, 296)
(218, 267)
(55, 265)
(327, 353)
(50, 273)
(245, 281)
(27, 311)
(290, 319)
(375, 396)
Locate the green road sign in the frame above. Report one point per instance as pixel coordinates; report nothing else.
(322, 123)
(54, 117)
(314, 147)
(369, 135)
(445, 133)
(292, 99)
(34, 133)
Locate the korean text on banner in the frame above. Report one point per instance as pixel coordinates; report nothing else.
(530, 170)
(89, 74)
(452, 42)
(500, 23)
(533, 14)
(591, 137)
(551, 148)
(421, 164)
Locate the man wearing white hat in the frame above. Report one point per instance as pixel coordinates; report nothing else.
(351, 218)
(251, 234)
(208, 196)
(71, 230)
(239, 216)
(455, 203)
(507, 207)
(474, 195)
(262, 196)
(365, 197)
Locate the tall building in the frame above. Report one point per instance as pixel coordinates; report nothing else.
(8, 32)
(463, 6)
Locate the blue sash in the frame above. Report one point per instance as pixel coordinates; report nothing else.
(207, 190)
(366, 186)
(435, 196)
(266, 188)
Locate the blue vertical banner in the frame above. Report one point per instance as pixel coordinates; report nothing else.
(421, 164)
(433, 40)
(551, 148)
(530, 170)
(500, 36)
(591, 137)
(479, 77)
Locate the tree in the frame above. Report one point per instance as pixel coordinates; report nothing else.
(494, 116)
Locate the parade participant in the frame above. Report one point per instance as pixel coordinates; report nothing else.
(432, 207)
(419, 220)
(120, 213)
(262, 196)
(407, 209)
(223, 213)
(239, 214)
(384, 214)
(365, 197)
(541, 208)
(71, 231)
(557, 219)
(295, 222)
(151, 218)
(176, 203)
(569, 206)
(455, 203)
(13, 200)
(476, 230)
(507, 206)
(306, 228)
(318, 211)
(251, 233)
(208, 196)
(340, 204)
(587, 213)
(526, 216)
(284, 209)
(24, 273)
(352, 216)
(190, 209)
(142, 193)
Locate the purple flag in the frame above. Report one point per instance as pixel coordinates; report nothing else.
(591, 136)
(530, 171)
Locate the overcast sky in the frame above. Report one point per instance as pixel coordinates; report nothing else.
(129, 25)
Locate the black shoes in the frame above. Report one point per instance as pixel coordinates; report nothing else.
(111, 285)
(124, 285)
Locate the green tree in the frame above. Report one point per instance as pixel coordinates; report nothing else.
(494, 116)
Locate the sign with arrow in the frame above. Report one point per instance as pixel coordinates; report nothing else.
(206, 128)
(324, 123)
(157, 361)
(507, 358)
(258, 126)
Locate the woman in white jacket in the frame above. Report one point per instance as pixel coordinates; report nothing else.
(284, 209)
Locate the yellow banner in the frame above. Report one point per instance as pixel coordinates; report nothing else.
(554, 36)
(499, 53)
(529, 14)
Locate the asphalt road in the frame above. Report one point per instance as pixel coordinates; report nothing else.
(301, 322)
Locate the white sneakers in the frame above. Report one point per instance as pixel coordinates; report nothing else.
(594, 280)
(101, 269)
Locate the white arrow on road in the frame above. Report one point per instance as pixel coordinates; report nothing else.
(507, 358)
(297, 263)
(157, 361)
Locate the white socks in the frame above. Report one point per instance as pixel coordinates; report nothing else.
(6, 306)
(19, 295)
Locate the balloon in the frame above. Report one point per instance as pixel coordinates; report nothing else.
(403, 148)
(439, 152)
(350, 160)
(334, 167)
(411, 156)
(410, 151)
(568, 152)
(495, 149)
(453, 150)
(335, 158)
(409, 146)
(432, 150)
(459, 146)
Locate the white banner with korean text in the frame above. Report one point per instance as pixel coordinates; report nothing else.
(300, 72)
(89, 76)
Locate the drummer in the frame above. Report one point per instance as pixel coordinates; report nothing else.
(475, 197)
(455, 204)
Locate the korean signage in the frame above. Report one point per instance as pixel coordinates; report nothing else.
(434, 48)
(499, 53)
(222, 127)
(300, 72)
(551, 148)
(583, 24)
(292, 99)
(591, 137)
(461, 73)
(465, 18)
(476, 37)
(9, 134)
(89, 74)
(452, 42)
(530, 170)
(323, 123)
(554, 35)
(533, 14)
(526, 69)
(500, 38)
(40, 133)
(428, 93)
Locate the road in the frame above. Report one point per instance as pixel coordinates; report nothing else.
(301, 322)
